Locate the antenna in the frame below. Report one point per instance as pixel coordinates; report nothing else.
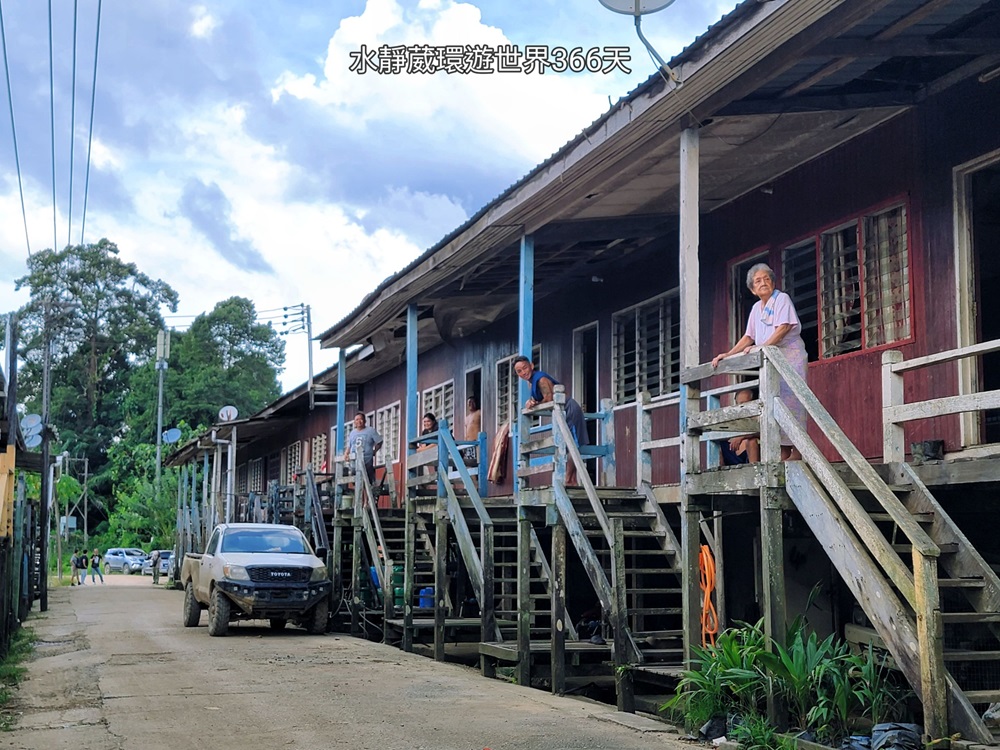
(171, 436)
(639, 8)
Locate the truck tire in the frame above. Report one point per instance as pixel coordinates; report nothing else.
(218, 614)
(192, 610)
(278, 623)
(319, 617)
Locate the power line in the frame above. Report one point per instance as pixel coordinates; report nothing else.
(90, 136)
(72, 125)
(52, 124)
(13, 130)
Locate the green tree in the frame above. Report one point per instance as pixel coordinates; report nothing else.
(101, 314)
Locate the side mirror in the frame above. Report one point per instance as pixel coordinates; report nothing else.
(321, 552)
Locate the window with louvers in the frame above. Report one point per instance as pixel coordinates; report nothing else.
(887, 277)
(255, 482)
(318, 454)
(507, 385)
(798, 281)
(293, 462)
(840, 291)
(439, 401)
(387, 425)
(241, 479)
(646, 349)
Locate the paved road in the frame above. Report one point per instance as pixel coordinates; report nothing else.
(115, 670)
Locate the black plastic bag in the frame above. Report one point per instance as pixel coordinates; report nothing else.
(895, 736)
(713, 728)
(856, 742)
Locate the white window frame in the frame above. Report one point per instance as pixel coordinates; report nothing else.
(318, 450)
(389, 452)
(292, 461)
(668, 376)
(255, 477)
(506, 406)
(435, 399)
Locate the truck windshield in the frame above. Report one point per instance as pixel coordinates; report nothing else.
(265, 540)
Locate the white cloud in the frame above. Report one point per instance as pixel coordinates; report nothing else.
(204, 23)
(524, 116)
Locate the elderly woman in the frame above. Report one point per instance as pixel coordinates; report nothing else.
(774, 322)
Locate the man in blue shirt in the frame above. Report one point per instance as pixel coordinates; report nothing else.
(542, 388)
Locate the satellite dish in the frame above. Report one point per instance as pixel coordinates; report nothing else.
(31, 424)
(172, 435)
(635, 7)
(228, 413)
(32, 441)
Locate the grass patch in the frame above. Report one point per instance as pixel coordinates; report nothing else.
(12, 673)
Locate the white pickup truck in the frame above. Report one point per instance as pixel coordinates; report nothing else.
(253, 571)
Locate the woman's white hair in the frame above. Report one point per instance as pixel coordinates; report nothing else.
(754, 270)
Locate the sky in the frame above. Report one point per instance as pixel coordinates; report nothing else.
(263, 149)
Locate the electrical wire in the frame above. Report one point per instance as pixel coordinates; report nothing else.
(52, 125)
(72, 126)
(13, 129)
(90, 136)
(709, 617)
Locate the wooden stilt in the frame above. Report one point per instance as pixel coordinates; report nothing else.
(440, 577)
(523, 599)
(409, 563)
(624, 687)
(558, 657)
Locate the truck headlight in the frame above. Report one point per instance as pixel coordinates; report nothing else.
(235, 572)
(318, 574)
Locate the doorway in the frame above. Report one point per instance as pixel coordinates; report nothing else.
(977, 236)
(984, 205)
(473, 413)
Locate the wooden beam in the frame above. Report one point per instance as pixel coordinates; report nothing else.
(624, 686)
(916, 47)
(523, 600)
(409, 565)
(440, 577)
(690, 227)
(558, 604)
(822, 103)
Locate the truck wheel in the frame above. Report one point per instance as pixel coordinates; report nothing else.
(278, 623)
(192, 610)
(218, 614)
(107, 569)
(320, 615)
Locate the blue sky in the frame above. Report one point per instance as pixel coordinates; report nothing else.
(236, 153)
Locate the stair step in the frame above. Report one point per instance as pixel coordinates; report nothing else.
(638, 591)
(982, 696)
(945, 547)
(655, 610)
(633, 571)
(961, 583)
(962, 655)
(957, 618)
(657, 634)
(927, 517)
(629, 534)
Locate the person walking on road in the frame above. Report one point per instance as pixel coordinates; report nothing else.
(95, 567)
(74, 568)
(154, 559)
(82, 561)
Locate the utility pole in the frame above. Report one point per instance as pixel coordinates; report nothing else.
(86, 472)
(299, 318)
(43, 516)
(162, 355)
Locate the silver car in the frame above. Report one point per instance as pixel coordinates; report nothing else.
(124, 560)
(165, 555)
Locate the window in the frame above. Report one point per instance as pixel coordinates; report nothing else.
(255, 483)
(507, 385)
(440, 401)
(317, 454)
(854, 293)
(387, 425)
(646, 349)
(293, 462)
(741, 299)
(241, 479)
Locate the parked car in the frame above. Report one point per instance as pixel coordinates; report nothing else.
(165, 555)
(124, 560)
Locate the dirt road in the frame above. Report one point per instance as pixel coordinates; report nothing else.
(115, 670)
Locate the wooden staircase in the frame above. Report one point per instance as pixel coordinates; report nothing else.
(932, 599)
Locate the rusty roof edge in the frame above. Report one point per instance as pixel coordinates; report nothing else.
(652, 87)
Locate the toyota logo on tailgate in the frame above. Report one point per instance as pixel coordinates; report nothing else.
(281, 574)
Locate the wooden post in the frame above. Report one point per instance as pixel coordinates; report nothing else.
(644, 433)
(409, 563)
(720, 571)
(523, 598)
(688, 255)
(713, 455)
(356, 578)
(609, 468)
(525, 340)
(691, 507)
(487, 607)
(930, 635)
(559, 457)
(558, 600)
(771, 515)
(338, 449)
(387, 603)
(624, 687)
(893, 445)
(440, 576)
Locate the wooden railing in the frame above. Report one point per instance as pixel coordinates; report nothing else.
(919, 588)
(895, 411)
(564, 450)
